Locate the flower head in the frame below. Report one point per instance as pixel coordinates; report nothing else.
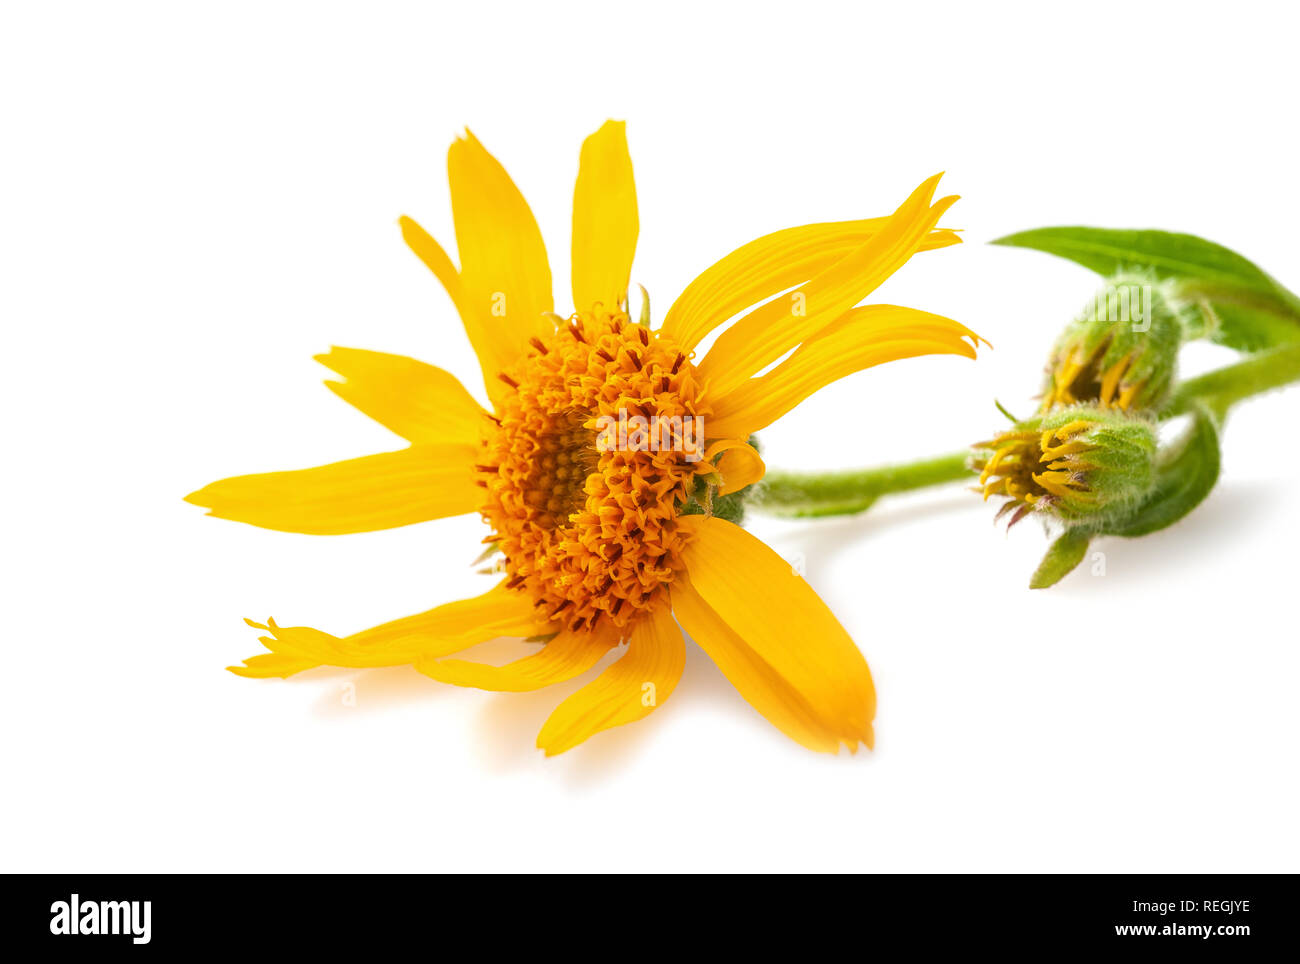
(1081, 464)
(603, 434)
(1121, 352)
(589, 530)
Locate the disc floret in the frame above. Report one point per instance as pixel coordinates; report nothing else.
(589, 528)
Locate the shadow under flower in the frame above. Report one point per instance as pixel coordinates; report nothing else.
(372, 690)
(825, 538)
(509, 723)
(1229, 514)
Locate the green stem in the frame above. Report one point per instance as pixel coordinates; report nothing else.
(807, 494)
(843, 493)
(1224, 387)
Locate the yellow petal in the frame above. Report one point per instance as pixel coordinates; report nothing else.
(768, 332)
(773, 637)
(268, 665)
(604, 220)
(440, 631)
(429, 251)
(568, 655)
(775, 262)
(641, 679)
(505, 278)
(419, 402)
(740, 464)
(758, 683)
(360, 495)
(484, 336)
(861, 338)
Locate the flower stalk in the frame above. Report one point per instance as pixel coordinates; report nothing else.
(817, 494)
(1225, 387)
(811, 494)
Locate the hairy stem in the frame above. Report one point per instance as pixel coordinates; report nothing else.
(1224, 387)
(842, 493)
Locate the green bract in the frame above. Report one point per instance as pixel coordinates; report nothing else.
(1080, 464)
(1121, 351)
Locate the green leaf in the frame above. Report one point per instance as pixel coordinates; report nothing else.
(1062, 557)
(1249, 329)
(1253, 309)
(1184, 478)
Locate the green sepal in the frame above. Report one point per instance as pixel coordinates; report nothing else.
(1061, 559)
(490, 550)
(730, 507)
(1251, 310)
(1184, 477)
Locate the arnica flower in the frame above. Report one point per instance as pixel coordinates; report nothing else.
(602, 542)
(1082, 465)
(1121, 351)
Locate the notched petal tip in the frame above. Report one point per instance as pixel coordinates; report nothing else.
(202, 498)
(332, 357)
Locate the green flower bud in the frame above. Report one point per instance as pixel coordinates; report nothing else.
(1084, 465)
(1121, 351)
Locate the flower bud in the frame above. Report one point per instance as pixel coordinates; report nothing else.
(1083, 464)
(1121, 351)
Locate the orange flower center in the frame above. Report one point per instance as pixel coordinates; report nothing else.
(596, 447)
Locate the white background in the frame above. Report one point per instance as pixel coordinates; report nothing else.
(197, 200)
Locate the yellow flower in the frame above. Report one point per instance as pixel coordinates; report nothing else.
(598, 542)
